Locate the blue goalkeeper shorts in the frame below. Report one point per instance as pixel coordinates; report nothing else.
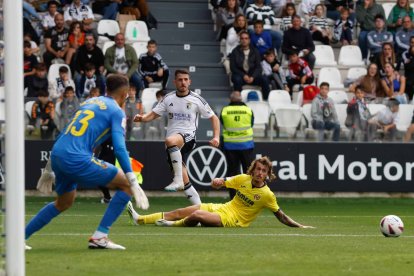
(88, 172)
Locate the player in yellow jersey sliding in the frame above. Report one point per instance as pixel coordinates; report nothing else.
(252, 196)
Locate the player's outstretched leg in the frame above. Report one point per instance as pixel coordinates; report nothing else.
(176, 163)
(99, 239)
(202, 217)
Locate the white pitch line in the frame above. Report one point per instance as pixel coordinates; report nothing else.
(226, 235)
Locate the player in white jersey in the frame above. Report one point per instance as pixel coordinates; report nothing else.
(183, 108)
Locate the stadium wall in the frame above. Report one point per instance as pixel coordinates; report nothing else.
(300, 167)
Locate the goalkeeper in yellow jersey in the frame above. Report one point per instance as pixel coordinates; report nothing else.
(252, 196)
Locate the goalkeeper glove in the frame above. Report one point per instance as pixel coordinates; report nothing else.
(141, 199)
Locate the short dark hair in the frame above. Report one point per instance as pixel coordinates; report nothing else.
(291, 53)
(359, 87)
(26, 44)
(296, 16)
(40, 67)
(244, 32)
(260, 22)
(114, 82)
(393, 102)
(153, 42)
(269, 51)
(324, 84)
(63, 69)
(43, 93)
(69, 88)
(89, 66)
(181, 71)
(160, 93)
(52, 3)
(379, 16)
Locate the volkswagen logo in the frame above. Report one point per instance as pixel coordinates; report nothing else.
(205, 163)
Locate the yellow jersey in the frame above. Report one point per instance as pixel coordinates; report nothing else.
(248, 202)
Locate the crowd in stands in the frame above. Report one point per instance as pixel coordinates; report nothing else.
(281, 56)
(64, 66)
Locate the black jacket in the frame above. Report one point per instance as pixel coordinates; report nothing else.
(297, 40)
(237, 58)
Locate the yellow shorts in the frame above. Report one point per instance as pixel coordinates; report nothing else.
(227, 216)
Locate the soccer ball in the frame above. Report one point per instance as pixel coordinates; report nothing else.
(391, 226)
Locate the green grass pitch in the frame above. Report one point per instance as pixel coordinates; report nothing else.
(347, 241)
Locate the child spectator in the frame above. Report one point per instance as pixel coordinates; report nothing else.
(318, 26)
(299, 71)
(307, 9)
(288, 12)
(88, 81)
(95, 92)
(76, 39)
(273, 71)
(323, 113)
(343, 29)
(151, 66)
(37, 82)
(49, 18)
(133, 106)
(387, 119)
(58, 86)
(357, 117)
(33, 45)
(30, 60)
(43, 114)
(260, 38)
(67, 107)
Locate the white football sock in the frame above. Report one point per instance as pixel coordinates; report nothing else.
(192, 194)
(99, 235)
(177, 163)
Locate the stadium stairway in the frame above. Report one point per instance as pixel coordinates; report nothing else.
(186, 39)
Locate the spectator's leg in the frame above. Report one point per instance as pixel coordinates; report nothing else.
(77, 80)
(276, 40)
(320, 127)
(165, 78)
(347, 35)
(363, 43)
(136, 79)
(111, 11)
(237, 81)
(336, 129)
(47, 58)
(310, 58)
(263, 82)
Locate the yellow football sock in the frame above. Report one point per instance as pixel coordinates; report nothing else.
(179, 223)
(150, 219)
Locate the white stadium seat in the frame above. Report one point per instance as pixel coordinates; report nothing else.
(341, 112)
(279, 98)
(261, 111)
(108, 27)
(405, 115)
(140, 48)
(136, 30)
(288, 118)
(350, 55)
(355, 73)
(324, 55)
(339, 97)
(332, 76)
(107, 45)
(387, 8)
(374, 108)
(148, 98)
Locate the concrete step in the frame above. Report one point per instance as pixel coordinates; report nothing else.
(180, 12)
(183, 36)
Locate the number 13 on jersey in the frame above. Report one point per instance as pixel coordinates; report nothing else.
(84, 122)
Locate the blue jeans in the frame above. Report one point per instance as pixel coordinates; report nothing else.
(363, 43)
(111, 11)
(137, 81)
(29, 11)
(328, 125)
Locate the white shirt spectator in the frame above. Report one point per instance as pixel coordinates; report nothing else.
(48, 20)
(120, 63)
(78, 13)
(308, 7)
(386, 117)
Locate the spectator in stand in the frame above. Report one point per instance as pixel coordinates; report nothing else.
(394, 84)
(43, 114)
(58, 86)
(402, 39)
(29, 12)
(260, 38)
(370, 84)
(95, 92)
(273, 71)
(323, 113)
(245, 66)
(298, 39)
(88, 80)
(378, 37)
(37, 82)
(318, 26)
(48, 21)
(151, 66)
(133, 106)
(307, 9)
(278, 6)
(334, 8)
(397, 14)
(79, 12)
(366, 11)
(386, 119)
(56, 41)
(67, 107)
(30, 60)
(107, 8)
(89, 53)
(344, 29)
(140, 9)
(260, 11)
(288, 12)
(387, 55)
(357, 117)
(299, 72)
(76, 39)
(226, 16)
(232, 40)
(408, 58)
(122, 59)
(33, 45)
